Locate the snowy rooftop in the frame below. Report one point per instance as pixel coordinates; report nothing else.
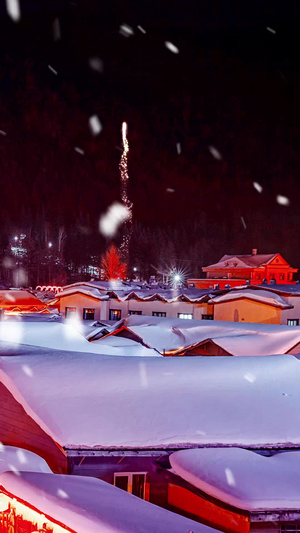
(107, 402)
(242, 261)
(238, 338)
(86, 504)
(67, 335)
(262, 296)
(242, 478)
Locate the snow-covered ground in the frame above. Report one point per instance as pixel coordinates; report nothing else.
(242, 478)
(87, 504)
(108, 401)
(17, 460)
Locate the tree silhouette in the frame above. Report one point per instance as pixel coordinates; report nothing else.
(112, 265)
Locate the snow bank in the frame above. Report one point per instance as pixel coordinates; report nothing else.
(86, 504)
(242, 478)
(100, 401)
(262, 296)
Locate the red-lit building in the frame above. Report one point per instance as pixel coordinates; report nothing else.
(253, 269)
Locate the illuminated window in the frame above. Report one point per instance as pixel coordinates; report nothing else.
(135, 312)
(207, 317)
(132, 482)
(114, 314)
(293, 321)
(70, 312)
(158, 313)
(185, 315)
(88, 313)
(290, 528)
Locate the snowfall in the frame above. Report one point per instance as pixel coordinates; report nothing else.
(242, 478)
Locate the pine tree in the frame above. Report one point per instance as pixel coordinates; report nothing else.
(112, 265)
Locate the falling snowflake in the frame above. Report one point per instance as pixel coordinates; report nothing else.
(79, 150)
(141, 29)
(257, 186)
(13, 9)
(282, 200)
(3, 132)
(21, 456)
(27, 370)
(52, 70)
(62, 494)
(215, 153)
(178, 148)
(56, 30)
(172, 47)
(126, 30)
(1, 447)
(170, 190)
(95, 63)
(116, 214)
(250, 377)
(95, 124)
(271, 30)
(230, 477)
(14, 470)
(143, 375)
(243, 222)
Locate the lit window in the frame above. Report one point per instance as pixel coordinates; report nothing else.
(132, 482)
(88, 314)
(70, 312)
(185, 315)
(290, 528)
(134, 312)
(207, 317)
(293, 321)
(114, 314)
(158, 313)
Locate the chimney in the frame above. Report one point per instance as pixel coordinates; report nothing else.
(254, 251)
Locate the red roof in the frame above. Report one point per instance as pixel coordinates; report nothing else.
(22, 301)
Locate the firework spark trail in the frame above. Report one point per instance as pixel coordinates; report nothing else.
(124, 192)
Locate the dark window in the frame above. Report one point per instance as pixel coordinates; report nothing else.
(70, 311)
(135, 312)
(88, 314)
(293, 321)
(258, 276)
(207, 317)
(114, 314)
(185, 315)
(290, 529)
(132, 482)
(158, 313)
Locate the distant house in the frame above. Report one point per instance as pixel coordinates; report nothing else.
(15, 302)
(236, 490)
(119, 421)
(254, 269)
(114, 301)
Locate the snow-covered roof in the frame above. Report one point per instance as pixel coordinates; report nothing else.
(241, 261)
(18, 299)
(167, 402)
(16, 460)
(242, 478)
(64, 335)
(87, 504)
(237, 338)
(262, 296)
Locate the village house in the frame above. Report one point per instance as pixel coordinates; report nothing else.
(114, 300)
(254, 269)
(123, 430)
(18, 301)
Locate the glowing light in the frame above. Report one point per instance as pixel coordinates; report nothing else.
(124, 191)
(134, 269)
(50, 244)
(16, 238)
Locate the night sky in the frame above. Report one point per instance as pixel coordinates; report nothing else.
(229, 102)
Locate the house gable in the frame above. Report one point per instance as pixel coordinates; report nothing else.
(17, 428)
